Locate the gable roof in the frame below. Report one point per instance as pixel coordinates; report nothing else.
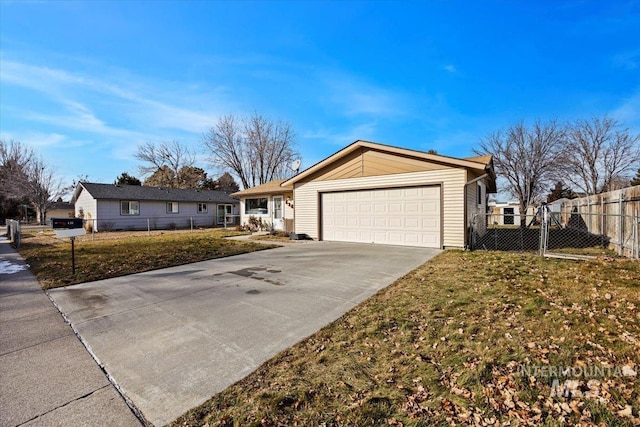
(140, 192)
(482, 163)
(271, 187)
(486, 159)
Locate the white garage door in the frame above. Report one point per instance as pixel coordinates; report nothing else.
(396, 216)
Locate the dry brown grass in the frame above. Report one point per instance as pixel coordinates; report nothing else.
(447, 344)
(119, 253)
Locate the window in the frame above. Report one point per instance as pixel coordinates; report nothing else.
(256, 206)
(129, 207)
(172, 207)
(479, 195)
(202, 208)
(508, 216)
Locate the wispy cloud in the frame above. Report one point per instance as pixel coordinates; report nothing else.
(357, 97)
(35, 139)
(343, 136)
(629, 112)
(141, 105)
(450, 68)
(627, 60)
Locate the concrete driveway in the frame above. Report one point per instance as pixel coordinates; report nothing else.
(172, 338)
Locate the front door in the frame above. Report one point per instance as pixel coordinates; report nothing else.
(278, 217)
(224, 215)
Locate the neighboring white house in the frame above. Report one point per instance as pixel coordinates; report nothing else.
(375, 193)
(508, 213)
(118, 207)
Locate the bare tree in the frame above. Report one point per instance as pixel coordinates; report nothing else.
(15, 159)
(527, 158)
(599, 152)
(256, 149)
(168, 158)
(27, 176)
(42, 188)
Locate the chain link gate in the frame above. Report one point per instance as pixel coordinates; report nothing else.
(576, 234)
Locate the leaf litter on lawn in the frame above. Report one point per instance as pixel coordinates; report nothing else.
(468, 338)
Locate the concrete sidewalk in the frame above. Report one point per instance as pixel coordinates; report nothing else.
(47, 377)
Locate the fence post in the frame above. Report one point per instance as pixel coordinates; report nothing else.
(635, 251)
(149, 226)
(191, 221)
(602, 223)
(621, 225)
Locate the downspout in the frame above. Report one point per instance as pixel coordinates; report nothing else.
(466, 203)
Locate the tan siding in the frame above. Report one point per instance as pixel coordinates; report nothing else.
(473, 208)
(368, 162)
(379, 163)
(349, 166)
(453, 221)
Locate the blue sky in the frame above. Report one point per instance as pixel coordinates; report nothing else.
(86, 82)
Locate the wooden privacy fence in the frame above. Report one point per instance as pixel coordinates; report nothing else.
(614, 215)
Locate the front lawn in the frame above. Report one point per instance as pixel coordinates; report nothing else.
(469, 338)
(117, 254)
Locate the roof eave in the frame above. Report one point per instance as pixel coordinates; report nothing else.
(374, 145)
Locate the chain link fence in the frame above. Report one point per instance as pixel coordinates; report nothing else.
(557, 233)
(159, 223)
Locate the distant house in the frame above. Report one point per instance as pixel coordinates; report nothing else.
(61, 210)
(508, 213)
(121, 207)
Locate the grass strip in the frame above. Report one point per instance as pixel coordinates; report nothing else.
(50, 258)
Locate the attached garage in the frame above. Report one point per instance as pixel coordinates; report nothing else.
(407, 216)
(375, 193)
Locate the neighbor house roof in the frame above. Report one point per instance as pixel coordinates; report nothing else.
(271, 187)
(478, 163)
(140, 192)
(61, 206)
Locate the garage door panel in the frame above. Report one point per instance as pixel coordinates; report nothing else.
(430, 223)
(412, 224)
(366, 222)
(395, 222)
(380, 208)
(397, 216)
(381, 222)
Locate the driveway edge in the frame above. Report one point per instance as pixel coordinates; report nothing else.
(138, 414)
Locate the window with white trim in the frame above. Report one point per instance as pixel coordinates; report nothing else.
(202, 208)
(129, 207)
(479, 193)
(258, 206)
(172, 207)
